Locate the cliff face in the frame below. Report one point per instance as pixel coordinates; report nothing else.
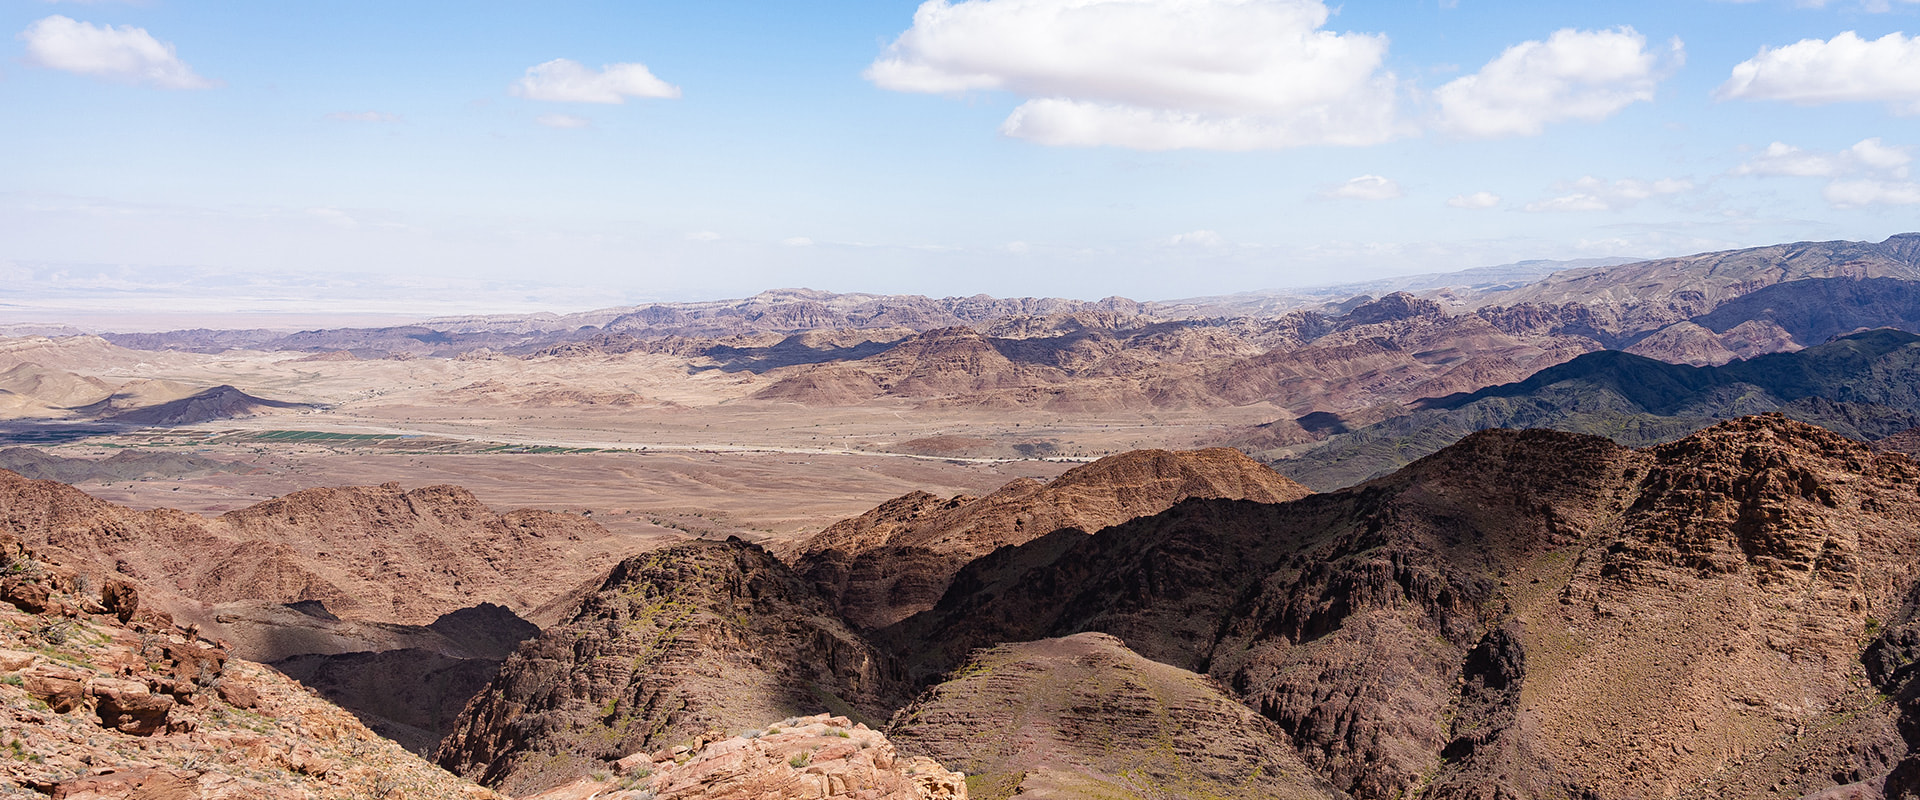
(896, 560)
(694, 641)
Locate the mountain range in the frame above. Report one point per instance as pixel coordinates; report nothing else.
(1643, 529)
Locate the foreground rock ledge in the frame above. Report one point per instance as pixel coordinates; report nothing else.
(807, 757)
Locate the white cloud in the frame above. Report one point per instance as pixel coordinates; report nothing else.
(567, 81)
(703, 236)
(1153, 74)
(1476, 200)
(123, 53)
(1595, 194)
(1845, 68)
(1366, 187)
(797, 241)
(1201, 238)
(1869, 155)
(563, 121)
(1573, 75)
(363, 116)
(1869, 192)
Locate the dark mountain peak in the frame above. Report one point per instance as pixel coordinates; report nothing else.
(219, 402)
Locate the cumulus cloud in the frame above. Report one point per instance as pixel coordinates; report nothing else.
(563, 121)
(1869, 192)
(1153, 74)
(1573, 75)
(1595, 194)
(564, 80)
(1782, 159)
(1476, 200)
(1843, 69)
(124, 53)
(362, 116)
(1366, 187)
(1869, 173)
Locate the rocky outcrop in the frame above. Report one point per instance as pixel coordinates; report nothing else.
(99, 701)
(1083, 716)
(801, 758)
(897, 559)
(687, 642)
(1523, 614)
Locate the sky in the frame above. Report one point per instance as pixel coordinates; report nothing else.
(437, 157)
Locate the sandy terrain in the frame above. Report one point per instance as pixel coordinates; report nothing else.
(654, 445)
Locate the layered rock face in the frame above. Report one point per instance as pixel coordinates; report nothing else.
(101, 698)
(1083, 716)
(696, 640)
(897, 559)
(1524, 614)
(822, 756)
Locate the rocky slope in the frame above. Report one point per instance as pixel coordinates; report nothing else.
(379, 597)
(690, 642)
(102, 698)
(896, 560)
(378, 554)
(1523, 614)
(1083, 716)
(822, 756)
(1860, 385)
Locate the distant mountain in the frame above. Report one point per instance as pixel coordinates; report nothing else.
(1815, 310)
(1866, 386)
(1499, 277)
(123, 465)
(219, 402)
(1648, 295)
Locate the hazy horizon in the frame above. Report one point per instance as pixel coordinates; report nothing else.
(434, 158)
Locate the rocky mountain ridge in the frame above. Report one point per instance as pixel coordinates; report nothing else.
(897, 559)
(1525, 613)
(1859, 385)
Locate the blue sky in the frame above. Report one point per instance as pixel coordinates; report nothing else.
(393, 155)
